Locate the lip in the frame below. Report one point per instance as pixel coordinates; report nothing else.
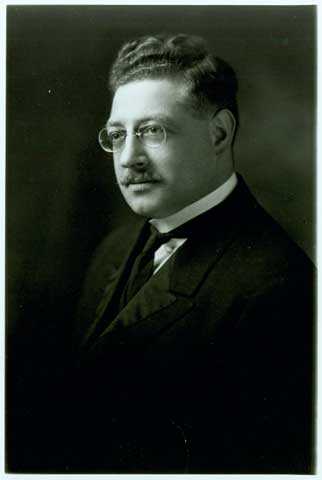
(138, 182)
(141, 186)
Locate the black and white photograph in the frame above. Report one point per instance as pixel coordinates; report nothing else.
(160, 270)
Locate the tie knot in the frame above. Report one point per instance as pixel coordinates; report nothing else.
(162, 237)
(180, 232)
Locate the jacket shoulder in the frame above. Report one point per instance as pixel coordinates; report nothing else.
(264, 248)
(115, 245)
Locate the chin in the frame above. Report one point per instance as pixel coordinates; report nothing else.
(145, 209)
(142, 210)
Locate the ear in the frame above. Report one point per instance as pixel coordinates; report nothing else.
(222, 129)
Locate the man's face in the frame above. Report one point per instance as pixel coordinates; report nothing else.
(157, 182)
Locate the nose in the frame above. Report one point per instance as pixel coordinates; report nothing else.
(133, 153)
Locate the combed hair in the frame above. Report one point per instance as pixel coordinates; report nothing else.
(211, 81)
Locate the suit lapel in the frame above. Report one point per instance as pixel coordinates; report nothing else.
(152, 309)
(115, 284)
(213, 233)
(169, 294)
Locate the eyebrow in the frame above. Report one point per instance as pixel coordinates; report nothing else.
(149, 118)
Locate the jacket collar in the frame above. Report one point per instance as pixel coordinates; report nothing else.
(210, 235)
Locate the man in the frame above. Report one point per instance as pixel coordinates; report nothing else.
(194, 332)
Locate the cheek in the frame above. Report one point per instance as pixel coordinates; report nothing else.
(179, 167)
(170, 172)
(172, 163)
(117, 168)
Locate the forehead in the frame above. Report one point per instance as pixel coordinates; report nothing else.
(149, 99)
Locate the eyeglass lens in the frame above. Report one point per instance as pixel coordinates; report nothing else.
(151, 136)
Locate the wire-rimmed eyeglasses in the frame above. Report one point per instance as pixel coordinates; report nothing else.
(113, 139)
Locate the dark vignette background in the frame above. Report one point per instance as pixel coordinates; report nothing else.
(61, 193)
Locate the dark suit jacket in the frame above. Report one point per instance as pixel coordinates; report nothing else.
(209, 367)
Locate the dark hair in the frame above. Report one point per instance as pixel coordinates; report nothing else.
(211, 81)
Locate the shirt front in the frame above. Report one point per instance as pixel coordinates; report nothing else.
(167, 224)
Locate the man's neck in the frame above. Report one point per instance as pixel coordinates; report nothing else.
(164, 225)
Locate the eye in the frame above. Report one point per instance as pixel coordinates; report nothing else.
(152, 131)
(116, 135)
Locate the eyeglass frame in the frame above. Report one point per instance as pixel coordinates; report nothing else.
(138, 133)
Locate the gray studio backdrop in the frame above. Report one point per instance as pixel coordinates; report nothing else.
(61, 193)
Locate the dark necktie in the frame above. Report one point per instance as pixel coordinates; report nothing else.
(143, 265)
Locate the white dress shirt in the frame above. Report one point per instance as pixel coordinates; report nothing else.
(165, 225)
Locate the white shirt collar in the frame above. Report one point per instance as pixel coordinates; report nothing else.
(164, 225)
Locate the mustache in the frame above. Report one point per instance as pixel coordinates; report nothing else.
(143, 177)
